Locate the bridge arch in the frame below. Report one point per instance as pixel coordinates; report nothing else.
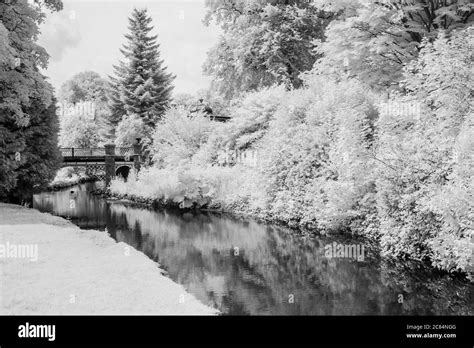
(111, 161)
(123, 171)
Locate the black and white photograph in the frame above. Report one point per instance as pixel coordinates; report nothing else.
(192, 160)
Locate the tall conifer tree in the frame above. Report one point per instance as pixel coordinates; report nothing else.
(141, 84)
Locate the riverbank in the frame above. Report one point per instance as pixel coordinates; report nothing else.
(80, 272)
(239, 209)
(57, 186)
(68, 177)
(212, 208)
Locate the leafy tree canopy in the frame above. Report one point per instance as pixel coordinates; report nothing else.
(28, 120)
(96, 127)
(20, 79)
(263, 43)
(373, 40)
(85, 86)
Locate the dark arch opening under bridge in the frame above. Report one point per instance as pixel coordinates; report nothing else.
(123, 171)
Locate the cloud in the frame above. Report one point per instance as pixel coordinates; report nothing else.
(59, 33)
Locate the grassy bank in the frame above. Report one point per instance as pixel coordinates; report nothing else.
(81, 272)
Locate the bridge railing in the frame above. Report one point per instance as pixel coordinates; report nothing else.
(124, 151)
(95, 152)
(77, 152)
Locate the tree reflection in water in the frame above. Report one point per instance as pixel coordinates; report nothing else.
(244, 267)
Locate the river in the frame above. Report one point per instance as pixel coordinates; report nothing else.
(242, 267)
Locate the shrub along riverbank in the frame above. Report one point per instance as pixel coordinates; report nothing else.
(67, 177)
(226, 190)
(336, 155)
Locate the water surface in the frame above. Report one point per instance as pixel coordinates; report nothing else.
(245, 267)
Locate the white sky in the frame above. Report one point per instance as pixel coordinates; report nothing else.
(87, 35)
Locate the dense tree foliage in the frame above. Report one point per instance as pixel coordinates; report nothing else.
(373, 40)
(38, 164)
(21, 80)
(78, 131)
(376, 140)
(85, 113)
(84, 86)
(27, 110)
(264, 42)
(129, 129)
(252, 115)
(179, 136)
(141, 84)
(425, 189)
(314, 155)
